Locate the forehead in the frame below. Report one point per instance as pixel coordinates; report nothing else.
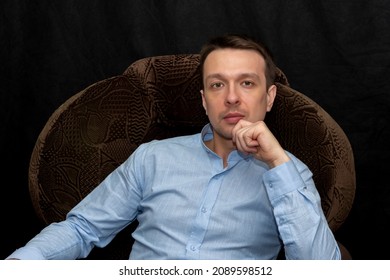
(233, 60)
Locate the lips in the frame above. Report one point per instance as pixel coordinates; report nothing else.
(233, 118)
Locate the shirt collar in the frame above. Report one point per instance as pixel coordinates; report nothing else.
(207, 134)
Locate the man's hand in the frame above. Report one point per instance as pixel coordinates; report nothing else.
(258, 140)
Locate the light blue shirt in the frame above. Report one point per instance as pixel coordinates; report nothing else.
(189, 206)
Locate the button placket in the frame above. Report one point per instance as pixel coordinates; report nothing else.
(202, 219)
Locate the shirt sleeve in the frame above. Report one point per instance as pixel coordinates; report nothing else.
(95, 221)
(296, 203)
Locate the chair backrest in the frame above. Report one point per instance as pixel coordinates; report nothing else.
(95, 130)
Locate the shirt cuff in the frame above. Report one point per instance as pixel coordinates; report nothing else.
(282, 179)
(26, 254)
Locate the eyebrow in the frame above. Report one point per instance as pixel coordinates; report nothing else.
(240, 76)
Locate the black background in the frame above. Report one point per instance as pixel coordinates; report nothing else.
(336, 52)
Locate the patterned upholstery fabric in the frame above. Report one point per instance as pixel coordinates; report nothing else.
(158, 97)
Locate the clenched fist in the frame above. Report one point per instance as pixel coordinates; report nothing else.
(256, 139)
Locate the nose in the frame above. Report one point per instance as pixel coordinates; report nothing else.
(232, 96)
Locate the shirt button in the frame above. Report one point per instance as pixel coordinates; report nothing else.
(193, 248)
(204, 209)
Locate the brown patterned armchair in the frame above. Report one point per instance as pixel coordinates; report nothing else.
(99, 127)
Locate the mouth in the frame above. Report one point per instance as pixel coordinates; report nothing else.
(233, 118)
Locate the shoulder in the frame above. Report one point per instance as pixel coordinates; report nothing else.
(174, 144)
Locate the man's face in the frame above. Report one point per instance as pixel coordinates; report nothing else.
(235, 88)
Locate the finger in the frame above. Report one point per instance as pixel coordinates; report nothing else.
(240, 125)
(250, 144)
(246, 139)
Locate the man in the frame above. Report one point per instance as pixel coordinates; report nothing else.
(229, 192)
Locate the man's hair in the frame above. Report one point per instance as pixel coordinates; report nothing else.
(240, 42)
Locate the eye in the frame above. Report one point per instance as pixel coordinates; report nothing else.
(217, 85)
(247, 83)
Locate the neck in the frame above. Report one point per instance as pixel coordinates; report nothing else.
(222, 148)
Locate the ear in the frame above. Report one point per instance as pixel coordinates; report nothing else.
(203, 100)
(271, 94)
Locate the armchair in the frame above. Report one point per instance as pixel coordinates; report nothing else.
(96, 129)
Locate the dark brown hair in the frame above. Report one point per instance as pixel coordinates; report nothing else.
(241, 42)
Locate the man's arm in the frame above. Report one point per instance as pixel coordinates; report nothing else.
(298, 213)
(296, 202)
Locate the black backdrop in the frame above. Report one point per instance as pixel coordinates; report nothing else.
(336, 52)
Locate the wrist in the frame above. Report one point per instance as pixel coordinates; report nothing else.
(279, 161)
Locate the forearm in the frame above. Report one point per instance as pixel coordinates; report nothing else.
(298, 213)
(57, 241)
